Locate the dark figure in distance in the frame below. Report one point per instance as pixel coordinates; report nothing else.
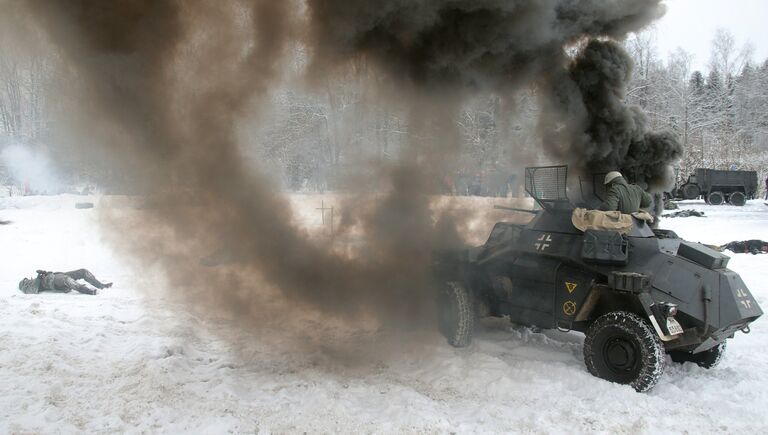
(622, 196)
(766, 189)
(62, 282)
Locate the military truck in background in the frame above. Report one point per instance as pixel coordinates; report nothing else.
(718, 186)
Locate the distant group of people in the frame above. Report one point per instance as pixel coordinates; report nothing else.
(494, 183)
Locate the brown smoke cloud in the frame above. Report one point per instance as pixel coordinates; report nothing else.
(175, 78)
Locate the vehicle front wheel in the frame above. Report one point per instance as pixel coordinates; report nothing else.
(690, 191)
(708, 359)
(455, 314)
(621, 347)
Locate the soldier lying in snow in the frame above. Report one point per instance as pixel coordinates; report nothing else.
(62, 282)
(746, 246)
(684, 213)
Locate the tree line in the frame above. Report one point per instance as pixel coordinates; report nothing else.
(312, 139)
(720, 115)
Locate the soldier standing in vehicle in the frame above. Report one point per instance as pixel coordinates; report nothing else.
(62, 282)
(622, 196)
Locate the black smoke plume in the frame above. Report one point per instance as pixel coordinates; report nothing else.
(480, 44)
(173, 79)
(586, 118)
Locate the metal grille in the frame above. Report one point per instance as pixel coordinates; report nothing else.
(546, 183)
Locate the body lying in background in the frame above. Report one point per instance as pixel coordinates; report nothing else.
(746, 246)
(62, 282)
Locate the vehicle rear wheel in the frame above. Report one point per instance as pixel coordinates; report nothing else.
(455, 314)
(738, 199)
(708, 359)
(621, 347)
(690, 191)
(715, 198)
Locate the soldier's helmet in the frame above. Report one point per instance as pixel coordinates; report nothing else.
(612, 176)
(28, 286)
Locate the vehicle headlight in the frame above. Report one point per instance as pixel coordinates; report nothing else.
(670, 310)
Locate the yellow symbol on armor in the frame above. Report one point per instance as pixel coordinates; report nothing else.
(569, 308)
(570, 286)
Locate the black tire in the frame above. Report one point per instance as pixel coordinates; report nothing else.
(708, 359)
(455, 314)
(621, 347)
(715, 198)
(690, 191)
(738, 199)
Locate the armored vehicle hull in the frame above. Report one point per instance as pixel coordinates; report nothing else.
(636, 295)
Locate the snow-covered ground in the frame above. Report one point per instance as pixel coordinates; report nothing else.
(130, 360)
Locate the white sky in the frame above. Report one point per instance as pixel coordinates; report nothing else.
(691, 24)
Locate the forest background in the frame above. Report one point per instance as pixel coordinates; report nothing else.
(311, 138)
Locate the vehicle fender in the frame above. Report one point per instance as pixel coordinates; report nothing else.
(654, 316)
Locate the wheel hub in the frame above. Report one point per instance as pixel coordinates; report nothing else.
(620, 354)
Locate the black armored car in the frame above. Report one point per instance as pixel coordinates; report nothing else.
(636, 295)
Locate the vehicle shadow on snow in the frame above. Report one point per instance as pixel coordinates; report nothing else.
(498, 335)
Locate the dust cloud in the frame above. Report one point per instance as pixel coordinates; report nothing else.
(171, 81)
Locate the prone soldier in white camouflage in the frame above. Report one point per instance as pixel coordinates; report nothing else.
(62, 282)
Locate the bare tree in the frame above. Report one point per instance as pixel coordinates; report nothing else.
(726, 57)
